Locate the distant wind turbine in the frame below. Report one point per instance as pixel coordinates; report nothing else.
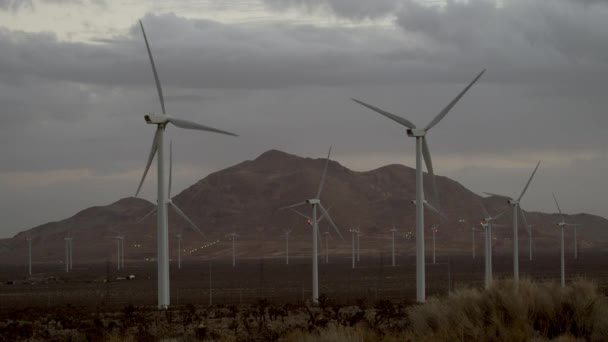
(393, 231)
(315, 203)
(561, 225)
(515, 204)
(233, 236)
(161, 121)
(434, 229)
(422, 150)
(487, 223)
(529, 230)
(353, 233)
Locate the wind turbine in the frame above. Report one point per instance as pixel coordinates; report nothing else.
(233, 236)
(515, 204)
(287, 232)
(487, 223)
(434, 229)
(161, 121)
(529, 230)
(422, 150)
(68, 254)
(561, 225)
(315, 203)
(393, 231)
(353, 232)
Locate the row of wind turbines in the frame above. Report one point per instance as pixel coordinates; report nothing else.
(318, 211)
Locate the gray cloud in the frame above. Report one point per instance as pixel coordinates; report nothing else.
(346, 8)
(73, 111)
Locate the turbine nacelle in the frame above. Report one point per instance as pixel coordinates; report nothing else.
(414, 132)
(313, 201)
(156, 119)
(513, 202)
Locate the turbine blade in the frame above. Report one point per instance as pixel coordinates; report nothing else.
(293, 205)
(429, 166)
(146, 216)
(170, 166)
(445, 110)
(326, 214)
(403, 121)
(301, 214)
(193, 125)
(529, 180)
(441, 215)
(497, 216)
(158, 87)
(497, 195)
(181, 213)
(150, 158)
(523, 218)
(323, 216)
(558, 208)
(483, 208)
(323, 175)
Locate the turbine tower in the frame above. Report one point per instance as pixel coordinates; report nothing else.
(487, 223)
(434, 229)
(422, 150)
(529, 230)
(353, 233)
(161, 121)
(561, 225)
(233, 236)
(515, 204)
(68, 254)
(393, 231)
(118, 263)
(315, 203)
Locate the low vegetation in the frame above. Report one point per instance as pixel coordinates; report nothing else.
(535, 311)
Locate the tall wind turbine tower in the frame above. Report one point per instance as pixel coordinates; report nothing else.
(561, 225)
(353, 232)
(434, 229)
(422, 150)
(515, 203)
(118, 263)
(315, 203)
(161, 121)
(233, 236)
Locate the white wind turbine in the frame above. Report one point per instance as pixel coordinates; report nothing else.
(353, 233)
(561, 225)
(434, 229)
(422, 150)
(393, 231)
(529, 230)
(515, 204)
(233, 236)
(68, 254)
(487, 223)
(161, 121)
(315, 203)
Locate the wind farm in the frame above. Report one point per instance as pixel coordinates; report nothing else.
(246, 237)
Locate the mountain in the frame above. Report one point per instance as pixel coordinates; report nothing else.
(245, 199)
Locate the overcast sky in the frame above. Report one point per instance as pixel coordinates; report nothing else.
(75, 83)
